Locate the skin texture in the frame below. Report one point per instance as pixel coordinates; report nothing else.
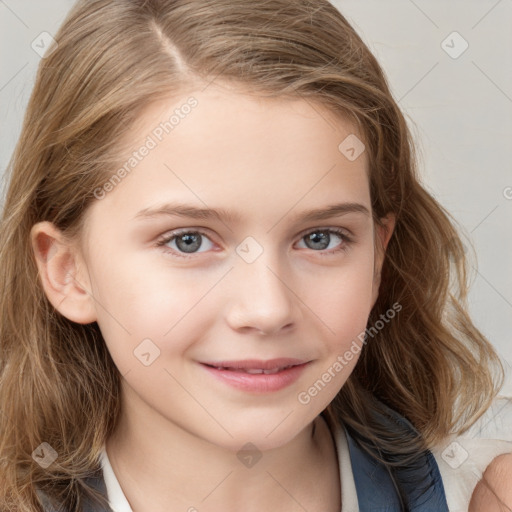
(268, 160)
(494, 492)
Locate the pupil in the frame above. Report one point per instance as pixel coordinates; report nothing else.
(316, 238)
(188, 241)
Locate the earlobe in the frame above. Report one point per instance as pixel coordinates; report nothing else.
(66, 286)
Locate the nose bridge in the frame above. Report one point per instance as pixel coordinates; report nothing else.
(260, 296)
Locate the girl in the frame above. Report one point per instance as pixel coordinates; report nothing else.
(225, 287)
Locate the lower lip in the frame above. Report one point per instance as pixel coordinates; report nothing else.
(258, 382)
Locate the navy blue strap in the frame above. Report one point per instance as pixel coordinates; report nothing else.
(95, 481)
(376, 492)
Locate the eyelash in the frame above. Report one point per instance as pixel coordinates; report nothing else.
(346, 241)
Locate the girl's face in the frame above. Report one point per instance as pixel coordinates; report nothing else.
(179, 291)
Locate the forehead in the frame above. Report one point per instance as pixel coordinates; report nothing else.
(262, 155)
(225, 115)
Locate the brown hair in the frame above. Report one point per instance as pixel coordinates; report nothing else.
(58, 382)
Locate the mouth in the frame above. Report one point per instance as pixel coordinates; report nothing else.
(255, 366)
(257, 375)
(252, 371)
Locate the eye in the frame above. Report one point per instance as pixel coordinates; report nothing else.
(322, 242)
(187, 241)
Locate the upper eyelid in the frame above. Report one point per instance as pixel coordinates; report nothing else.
(171, 235)
(206, 231)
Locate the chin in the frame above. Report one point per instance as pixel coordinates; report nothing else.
(265, 434)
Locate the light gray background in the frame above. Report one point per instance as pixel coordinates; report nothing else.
(460, 111)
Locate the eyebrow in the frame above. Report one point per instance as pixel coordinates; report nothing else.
(221, 214)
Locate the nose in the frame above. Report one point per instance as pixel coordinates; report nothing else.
(260, 299)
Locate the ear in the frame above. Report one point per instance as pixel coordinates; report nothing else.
(63, 273)
(383, 232)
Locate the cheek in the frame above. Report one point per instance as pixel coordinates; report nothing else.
(343, 299)
(343, 309)
(137, 302)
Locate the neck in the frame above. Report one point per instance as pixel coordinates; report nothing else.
(161, 466)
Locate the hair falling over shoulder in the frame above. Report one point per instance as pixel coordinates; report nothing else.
(58, 382)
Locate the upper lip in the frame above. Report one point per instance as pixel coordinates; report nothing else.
(256, 364)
